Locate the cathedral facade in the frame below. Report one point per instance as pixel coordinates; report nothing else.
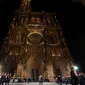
(35, 45)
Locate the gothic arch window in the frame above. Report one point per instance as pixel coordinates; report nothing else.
(38, 20)
(26, 20)
(33, 20)
(52, 39)
(18, 37)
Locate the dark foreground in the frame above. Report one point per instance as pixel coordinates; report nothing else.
(35, 83)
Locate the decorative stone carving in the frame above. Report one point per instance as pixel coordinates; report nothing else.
(35, 50)
(35, 38)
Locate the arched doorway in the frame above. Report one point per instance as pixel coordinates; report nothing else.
(35, 74)
(34, 67)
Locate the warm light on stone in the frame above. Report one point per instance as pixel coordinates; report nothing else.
(35, 45)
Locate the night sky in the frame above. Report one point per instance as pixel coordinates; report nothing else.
(70, 16)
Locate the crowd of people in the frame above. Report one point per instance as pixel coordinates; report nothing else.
(77, 78)
(5, 78)
(74, 79)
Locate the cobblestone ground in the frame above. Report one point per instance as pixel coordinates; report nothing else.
(35, 84)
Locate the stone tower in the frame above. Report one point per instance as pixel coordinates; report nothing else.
(35, 45)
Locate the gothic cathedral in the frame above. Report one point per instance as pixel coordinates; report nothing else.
(35, 45)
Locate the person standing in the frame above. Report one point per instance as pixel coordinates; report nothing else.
(40, 79)
(81, 79)
(67, 79)
(3, 78)
(8, 78)
(0, 79)
(60, 79)
(74, 79)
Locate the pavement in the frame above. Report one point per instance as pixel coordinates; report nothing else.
(35, 83)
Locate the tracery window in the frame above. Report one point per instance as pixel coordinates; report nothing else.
(33, 20)
(18, 37)
(52, 39)
(26, 20)
(38, 20)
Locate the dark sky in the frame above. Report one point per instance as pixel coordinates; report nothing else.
(71, 16)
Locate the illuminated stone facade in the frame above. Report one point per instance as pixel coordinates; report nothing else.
(35, 45)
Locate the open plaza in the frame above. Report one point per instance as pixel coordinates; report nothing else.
(35, 83)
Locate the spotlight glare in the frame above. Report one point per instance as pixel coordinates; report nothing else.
(75, 67)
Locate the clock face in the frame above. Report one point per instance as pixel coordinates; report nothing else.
(35, 38)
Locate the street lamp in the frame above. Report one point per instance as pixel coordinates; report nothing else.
(76, 70)
(75, 67)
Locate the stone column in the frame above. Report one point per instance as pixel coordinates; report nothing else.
(20, 70)
(50, 72)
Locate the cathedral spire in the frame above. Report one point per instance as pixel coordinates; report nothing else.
(26, 2)
(25, 5)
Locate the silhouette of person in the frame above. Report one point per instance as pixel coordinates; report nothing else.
(74, 79)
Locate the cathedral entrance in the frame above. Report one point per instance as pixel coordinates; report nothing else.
(35, 74)
(57, 72)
